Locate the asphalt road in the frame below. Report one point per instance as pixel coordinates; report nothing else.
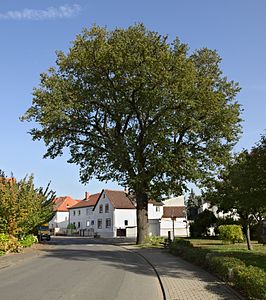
(80, 268)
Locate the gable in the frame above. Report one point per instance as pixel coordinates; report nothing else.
(118, 199)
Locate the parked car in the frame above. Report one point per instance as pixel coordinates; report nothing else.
(44, 233)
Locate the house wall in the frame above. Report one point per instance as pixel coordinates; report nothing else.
(104, 231)
(176, 201)
(59, 222)
(179, 227)
(154, 227)
(120, 218)
(81, 217)
(155, 211)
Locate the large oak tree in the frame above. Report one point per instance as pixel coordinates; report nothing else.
(134, 108)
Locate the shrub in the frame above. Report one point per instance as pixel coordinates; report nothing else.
(224, 266)
(231, 233)
(178, 242)
(8, 243)
(186, 250)
(178, 246)
(252, 281)
(154, 240)
(28, 240)
(196, 255)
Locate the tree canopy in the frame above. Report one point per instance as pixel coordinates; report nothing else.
(132, 107)
(242, 186)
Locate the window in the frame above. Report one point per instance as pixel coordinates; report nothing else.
(108, 223)
(100, 223)
(157, 208)
(78, 224)
(126, 222)
(100, 209)
(107, 208)
(79, 212)
(74, 212)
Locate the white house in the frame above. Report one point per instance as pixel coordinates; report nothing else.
(81, 214)
(114, 215)
(60, 221)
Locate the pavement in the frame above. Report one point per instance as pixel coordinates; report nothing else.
(180, 280)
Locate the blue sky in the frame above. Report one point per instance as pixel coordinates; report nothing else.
(31, 32)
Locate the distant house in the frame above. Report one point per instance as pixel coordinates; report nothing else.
(81, 214)
(60, 221)
(168, 215)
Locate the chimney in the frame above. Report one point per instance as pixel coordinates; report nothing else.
(87, 195)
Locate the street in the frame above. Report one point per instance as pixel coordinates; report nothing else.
(80, 268)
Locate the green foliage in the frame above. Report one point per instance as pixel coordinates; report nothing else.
(252, 281)
(231, 233)
(202, 223)
(242, 187)
(23, 207)
(135, 108)
(153, 240)
(8, 243)
(186, 250)
(221, 265)
(28, 240)
(71, 226)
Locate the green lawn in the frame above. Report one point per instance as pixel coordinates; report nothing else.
(257, 257)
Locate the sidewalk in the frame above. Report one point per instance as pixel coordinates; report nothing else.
(182, 280)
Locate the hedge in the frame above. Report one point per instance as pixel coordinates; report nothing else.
(250, 280)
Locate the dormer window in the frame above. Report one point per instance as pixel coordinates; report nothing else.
(100, 209)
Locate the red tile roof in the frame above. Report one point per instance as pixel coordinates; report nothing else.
(86, 203)
(63, 203)
(174, 211)
(118, 199)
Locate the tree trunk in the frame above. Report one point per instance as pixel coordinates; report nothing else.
(247, 234)
(142, 217)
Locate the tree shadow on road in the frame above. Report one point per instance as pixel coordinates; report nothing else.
(175, 273)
